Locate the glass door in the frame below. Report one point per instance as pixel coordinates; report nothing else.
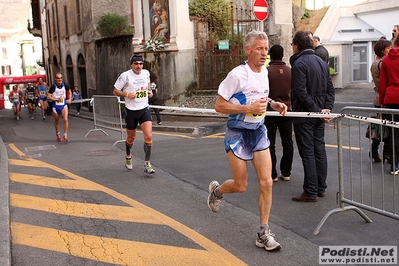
(360, 69)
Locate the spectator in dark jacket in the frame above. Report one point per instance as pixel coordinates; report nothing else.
(280, 90)
(389, 94)
(312, 91)
(320, 50)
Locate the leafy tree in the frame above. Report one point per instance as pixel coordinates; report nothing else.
(111, 25)
(217, 13)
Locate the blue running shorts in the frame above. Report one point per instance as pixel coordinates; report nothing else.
(244, 142)
(58, 108)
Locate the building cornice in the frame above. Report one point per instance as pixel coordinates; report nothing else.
(373, 6)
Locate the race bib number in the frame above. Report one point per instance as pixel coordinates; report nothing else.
(141, 94)
(15, 97)
(254, 118)
(42, 93)
(30, 96)
(60, 101)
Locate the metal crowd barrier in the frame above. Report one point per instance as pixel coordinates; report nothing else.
(107, 114)
(362, 183)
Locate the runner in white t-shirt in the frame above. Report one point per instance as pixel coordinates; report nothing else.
(244, 96)
(134, 86)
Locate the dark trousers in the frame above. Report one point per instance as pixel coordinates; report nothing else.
(309, 137)
(284, 126)
(78, 106)
(375, 144)
(49, 110)
(394, 139)
(156, 110)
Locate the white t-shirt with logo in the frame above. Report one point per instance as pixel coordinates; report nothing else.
(130, 82)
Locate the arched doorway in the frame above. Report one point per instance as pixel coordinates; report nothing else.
(82, 78)
(56, 68)
(69, 69)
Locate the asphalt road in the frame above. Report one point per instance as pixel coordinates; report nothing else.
(76, 204)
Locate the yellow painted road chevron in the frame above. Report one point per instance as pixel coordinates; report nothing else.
(98, 248)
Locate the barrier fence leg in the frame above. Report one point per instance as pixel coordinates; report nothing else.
(342, 209)
(96, 129)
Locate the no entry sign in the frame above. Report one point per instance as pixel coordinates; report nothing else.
(260, 9)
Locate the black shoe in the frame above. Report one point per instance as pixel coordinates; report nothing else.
(305, 198)
(377, 158)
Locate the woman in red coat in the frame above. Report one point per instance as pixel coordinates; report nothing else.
(389, 94)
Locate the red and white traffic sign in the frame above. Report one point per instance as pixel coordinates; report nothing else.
(260, 10)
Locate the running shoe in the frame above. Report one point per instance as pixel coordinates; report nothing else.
(17, 118)
(129, 164)
(396, 171)
(66, 137)
(148, 168)
(59, 136)
(266, 240)
(44, 118)
(213, 200)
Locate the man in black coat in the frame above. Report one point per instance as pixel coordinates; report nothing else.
(312, 91)
(320, 50)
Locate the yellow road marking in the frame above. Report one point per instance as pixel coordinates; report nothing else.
(168, 134)
(22, 234)
(49, 182)
(111, 250)
(86, 210)
(215, 136)
(174, 135)
(343, 147)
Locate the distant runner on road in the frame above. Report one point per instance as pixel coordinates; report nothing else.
(60, 94)
(42, 90)
(134, 85)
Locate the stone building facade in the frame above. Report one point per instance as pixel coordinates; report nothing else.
(73, 46)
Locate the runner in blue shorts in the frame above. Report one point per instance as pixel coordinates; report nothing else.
(60, 94)
(42, 90)
(243, 94)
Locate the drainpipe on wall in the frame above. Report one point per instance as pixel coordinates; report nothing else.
(58, 34)
(48, 65)
(142, 20)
